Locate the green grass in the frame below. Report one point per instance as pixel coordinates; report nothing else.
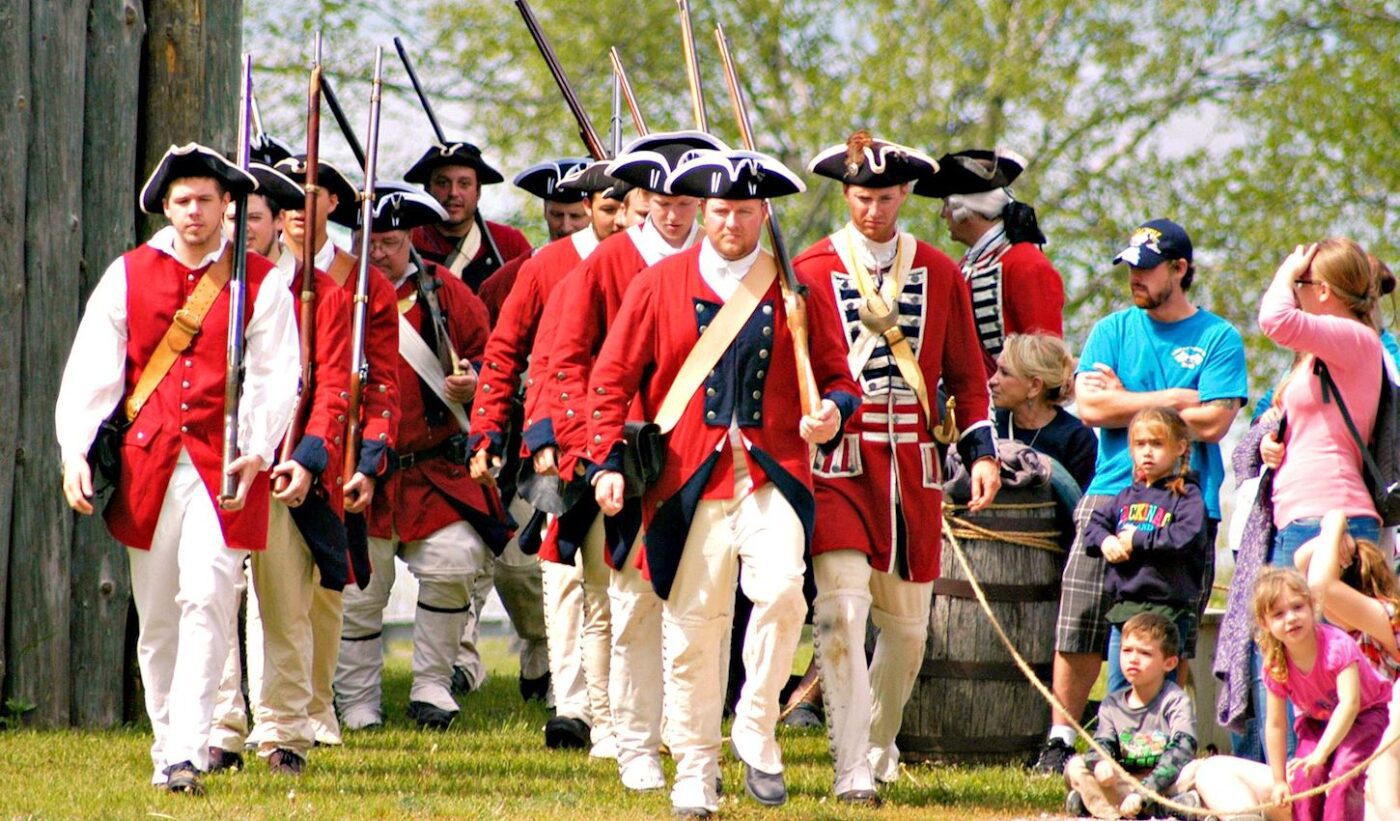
(492, 763)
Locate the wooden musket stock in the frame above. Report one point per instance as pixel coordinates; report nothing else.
(237, 292)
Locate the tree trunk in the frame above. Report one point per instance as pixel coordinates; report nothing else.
(14, 95)
(42, 528)
(189, 79)
(101, 588)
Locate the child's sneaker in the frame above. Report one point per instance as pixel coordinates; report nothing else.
(1054, 754)
(1074, 805)
(1191, 799)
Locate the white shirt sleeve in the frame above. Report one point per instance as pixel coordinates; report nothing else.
(272, 370)
(95, 376)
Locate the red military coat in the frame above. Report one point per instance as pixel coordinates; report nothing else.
(425, 497)
(187, 407)
(497, 287)
(755, 384)
(887, 462)
(323, 412)
(513, 335)
(379, 403)
(435, 246)
(1014, 290)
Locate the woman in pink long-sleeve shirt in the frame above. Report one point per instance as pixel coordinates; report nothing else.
(1320, 306)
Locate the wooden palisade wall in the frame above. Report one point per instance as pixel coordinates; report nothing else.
(97, 90)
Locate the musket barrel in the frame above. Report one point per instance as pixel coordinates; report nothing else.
(359, 368)
(237, 290)
(637, 119)
(692, 68)
(586, 131)
(338, 114)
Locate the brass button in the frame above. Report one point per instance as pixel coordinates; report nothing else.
(386, 414)
(710, 415)
(760, 374)
(559, 376)
(768, 309)
(756, 415)
(597, 438)
(563, 396)
(383, 388)
(597, 414)
(709, 391)
(185, 384)
(383, 437)
(703, 327)
(480, 411)
(184, 406)
(184, 429)
(763, 354)
(758, 394)
(189, 363)
(569, 414)
(599, 391)
(340, 417)
(337, 440)
(767, 330)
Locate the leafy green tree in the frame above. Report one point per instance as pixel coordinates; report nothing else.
(1257, 126)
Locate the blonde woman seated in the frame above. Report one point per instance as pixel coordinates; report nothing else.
(1033, 380)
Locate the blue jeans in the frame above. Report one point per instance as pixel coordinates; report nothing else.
(1116, 680)
(1289, 538)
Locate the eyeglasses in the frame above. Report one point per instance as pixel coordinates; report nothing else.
(1299, 283)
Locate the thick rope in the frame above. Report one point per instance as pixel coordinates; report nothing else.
(1392, 732)
(1037, 539)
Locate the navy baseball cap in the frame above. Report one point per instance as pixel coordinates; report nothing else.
(1155, 242)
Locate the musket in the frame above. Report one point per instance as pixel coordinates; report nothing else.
(794, 293)
(446, 355)
(692, 68)
(621, 73)
(586, 132)
(615, 122)
(359, 363)
(442, 140)
(237, 291)
(309, 245)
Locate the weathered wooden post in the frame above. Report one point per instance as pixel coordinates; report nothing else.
(101, 588)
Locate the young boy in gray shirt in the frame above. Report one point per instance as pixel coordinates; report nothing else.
(1149, 728)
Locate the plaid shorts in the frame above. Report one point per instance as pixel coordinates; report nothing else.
(1081, 626)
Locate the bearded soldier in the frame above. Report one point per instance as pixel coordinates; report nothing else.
(185, 549)
(1014, 287)
(453, 175)
(907, 324)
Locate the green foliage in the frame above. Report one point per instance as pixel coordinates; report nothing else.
(1257, 126)
(14, 712)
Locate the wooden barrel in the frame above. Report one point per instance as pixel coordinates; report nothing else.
(971, 703)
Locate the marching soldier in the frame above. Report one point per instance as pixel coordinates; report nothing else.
(587, 306)
(566, 210)
(430, 513)
(906, 324)
(453, 175)
(297, 581)
(733, 497)
(1015, 289)
(504, 362)
(185, 550)
(379, 407)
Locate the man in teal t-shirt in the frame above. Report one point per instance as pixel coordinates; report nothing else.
(1164, 351)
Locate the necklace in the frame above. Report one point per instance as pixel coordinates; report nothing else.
(1011, 424)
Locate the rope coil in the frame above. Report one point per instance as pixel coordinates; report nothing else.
(1392, 734)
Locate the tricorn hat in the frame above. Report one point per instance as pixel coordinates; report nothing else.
(399, 208)
(269, 150)
(872, 163)
(543, 179)
(277, 188)
(193, 160)
(453, 154)
(593, 178)
(333, 180)
(647, 161)
(972, 172)
(733, 175)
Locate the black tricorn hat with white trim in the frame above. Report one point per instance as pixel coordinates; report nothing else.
(454, 154)
(333, 180)
(193, 160)
(648, 161)
(269, 150)
(277, 188)
(873, 163)
(543, 179)
(733, 175)
(400, 208)
(972, 172)
(593, 178)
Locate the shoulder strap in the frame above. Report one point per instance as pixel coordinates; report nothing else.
(178, 336)
(424, 362)
(342, 266)
(1329, 389)
(716, 340)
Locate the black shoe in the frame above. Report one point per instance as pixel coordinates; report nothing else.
(860, 798)
(535, 688)
(691, 812)
(1054, 753)
(285, 762)
(183, 778)
(221, 759)
(461, 685)
(804, 716)
(768, 789)
(429, 716)
(563, 733)
(1074, 805)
